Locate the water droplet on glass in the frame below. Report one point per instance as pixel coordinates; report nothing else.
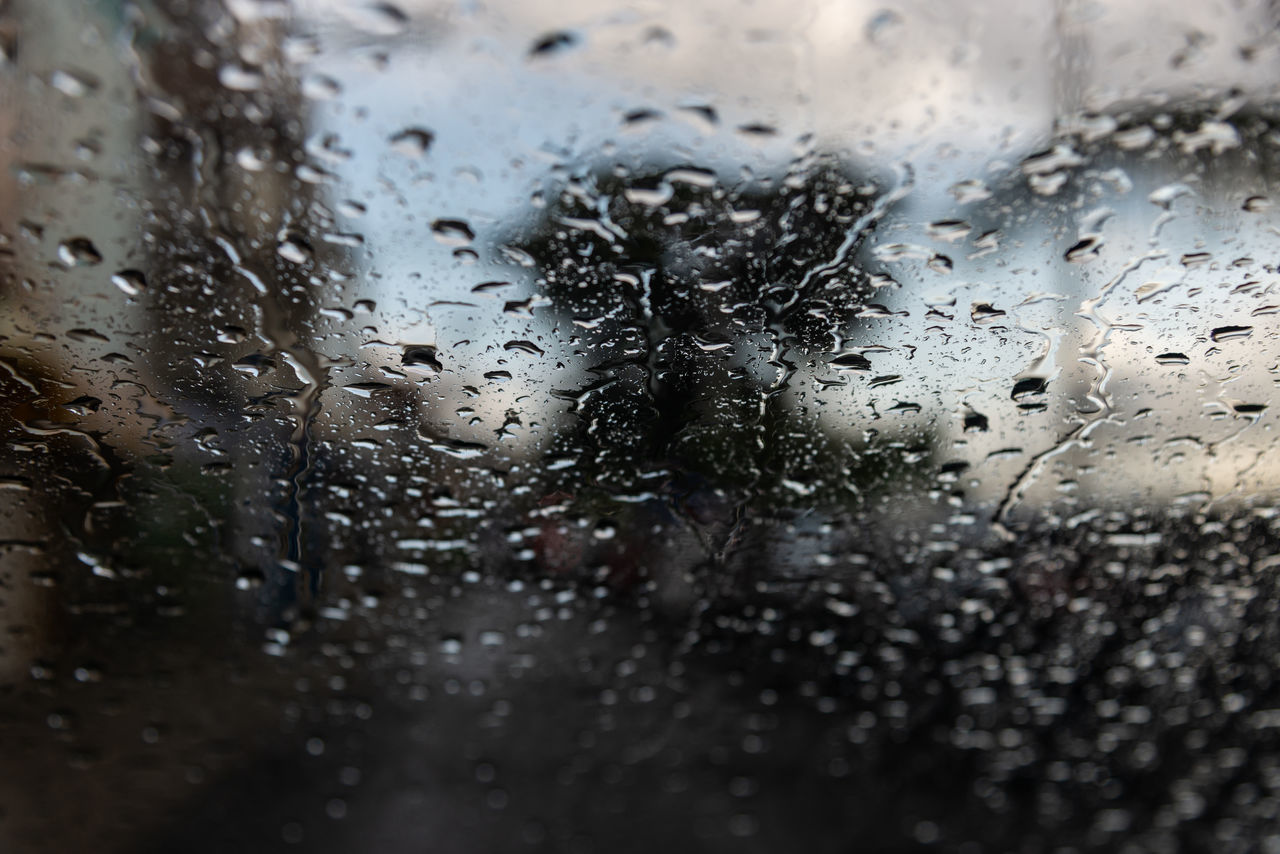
(78, 252)
(524, 347)
(294, 249)
(255, 364)
(74, 84)
(131, 282)
(553, 43)
(421, 358)
(240, 78)
(1165, 196)
(884, 28)
(949, 230)
(1231, 333)
(412, 142)
(1086, 249)
(971, 190)
(320, 87)
(1028, 387)
(377, 19)
(975, 422)
(452, 232)
(248, 160)
(366, 389)
(982, 312)
(851, 362)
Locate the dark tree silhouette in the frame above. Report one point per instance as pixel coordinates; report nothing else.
(688, 299)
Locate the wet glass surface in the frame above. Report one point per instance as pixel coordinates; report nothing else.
(573, 426)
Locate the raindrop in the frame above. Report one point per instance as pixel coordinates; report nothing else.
(1215, 136)
(524, 347)
(1052, 162)
(132, 282)
(255, 364)
(884, 27)
(1084, 250)
(1230, 333)
(422, 358)
(87, 673)
(1135, 138)
(294, 249)
(350, 240)
(366, 389)
(517, 256)
(851, 362)
(83, 405)
(704, 112)
(1168, 194)
(319, 87)
(968, 191)
(250, 580)
(948, 230)
(452, 232)
(412, 142)
(982, 312)
(459, 449)
(641, 116)
(376, 19)
(552, 43)
(1028, 387)
(73, 84)
(78, 252)
(239, 78)
(659, 36)
(248, 160)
